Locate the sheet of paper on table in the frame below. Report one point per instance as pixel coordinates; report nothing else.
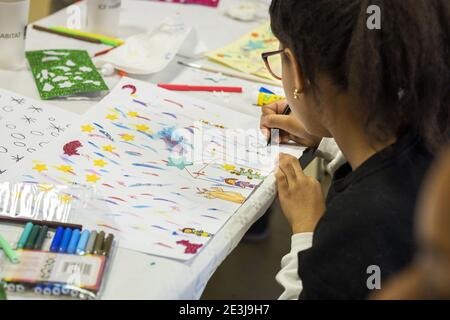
(27, 126)
(245, 54)
(170, 167)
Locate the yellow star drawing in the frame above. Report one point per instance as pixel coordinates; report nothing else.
(109, 148)
(93, 178)
(229, 167)
(45, 187)
(112, 117)
(87, 128)
(66, 198)
(128, 137)
(40, 167)
(141, 127)
(133, 114)
(100, 163)
(65, 169)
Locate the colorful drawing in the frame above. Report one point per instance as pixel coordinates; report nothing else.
(198, 233)
(142, 169)
(191, 248)
(71, 148)
(220, 193)
(245, 54)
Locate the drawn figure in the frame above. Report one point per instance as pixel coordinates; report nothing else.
(238, 183)
(191, 248)
(219, 193)
(71, 148)
(198, 233)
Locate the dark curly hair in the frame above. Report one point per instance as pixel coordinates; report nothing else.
(401, 72)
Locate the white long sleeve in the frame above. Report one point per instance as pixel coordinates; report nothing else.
(330, 152)
(288, 275)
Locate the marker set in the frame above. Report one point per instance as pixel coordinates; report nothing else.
(74, 266)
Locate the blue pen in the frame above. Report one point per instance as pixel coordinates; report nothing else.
(65, 240)
(57, 239)
(73, 241)
(81, 248)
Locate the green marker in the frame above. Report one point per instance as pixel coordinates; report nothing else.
(25, 234)
(10, 253)
(99, 243)
(41, 238)
(2, 293)
(32, 238)
(108, 244)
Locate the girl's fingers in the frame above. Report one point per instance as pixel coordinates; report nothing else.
(282, 182)
(287, 166)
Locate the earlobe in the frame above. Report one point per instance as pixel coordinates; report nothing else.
(297, 72)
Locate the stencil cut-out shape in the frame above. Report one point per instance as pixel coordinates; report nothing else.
(71, 148)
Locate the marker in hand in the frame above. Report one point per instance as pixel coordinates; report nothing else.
(286, 112)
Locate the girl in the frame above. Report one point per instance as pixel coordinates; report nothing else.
(383, 95)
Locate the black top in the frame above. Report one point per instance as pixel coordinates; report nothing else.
(368, 221)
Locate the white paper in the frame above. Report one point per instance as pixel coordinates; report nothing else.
(27, 126)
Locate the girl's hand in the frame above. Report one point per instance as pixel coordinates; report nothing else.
(301, 197)
(290, 127)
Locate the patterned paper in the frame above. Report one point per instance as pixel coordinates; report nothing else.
(27, 126)
(139, 148)
(245, 54)
(65, 73)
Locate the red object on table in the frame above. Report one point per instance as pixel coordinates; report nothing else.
(183, 87)
(209, 3)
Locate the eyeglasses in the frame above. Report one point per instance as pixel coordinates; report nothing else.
(273, 63)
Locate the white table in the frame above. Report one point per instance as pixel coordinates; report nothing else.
(135, 275)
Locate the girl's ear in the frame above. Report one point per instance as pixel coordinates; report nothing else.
(299, 80)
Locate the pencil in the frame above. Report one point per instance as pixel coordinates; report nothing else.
(229, 74)
(50, 224)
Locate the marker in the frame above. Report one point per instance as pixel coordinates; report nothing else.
(57, 239)
(108, 244)
(91, 242)
(41, 237)
(25, 234)
(39, 289)
(32, 238)
(99, 243)
(81, 247)
(65, 240)
(73, 241)
(10, 253)
(286, 112)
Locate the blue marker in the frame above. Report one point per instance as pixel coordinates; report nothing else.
(81, 248)
(65, 240)
(57, 239)
(73, 241)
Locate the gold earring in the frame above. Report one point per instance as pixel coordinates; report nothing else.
(297, 94)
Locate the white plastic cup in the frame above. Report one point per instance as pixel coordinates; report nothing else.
(103, 16)
(13, 25)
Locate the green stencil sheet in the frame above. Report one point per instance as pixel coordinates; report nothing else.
(65, 73)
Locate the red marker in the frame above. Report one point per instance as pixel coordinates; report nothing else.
(183, 87)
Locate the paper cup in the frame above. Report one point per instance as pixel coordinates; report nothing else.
(103, 16)
(13, 24)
